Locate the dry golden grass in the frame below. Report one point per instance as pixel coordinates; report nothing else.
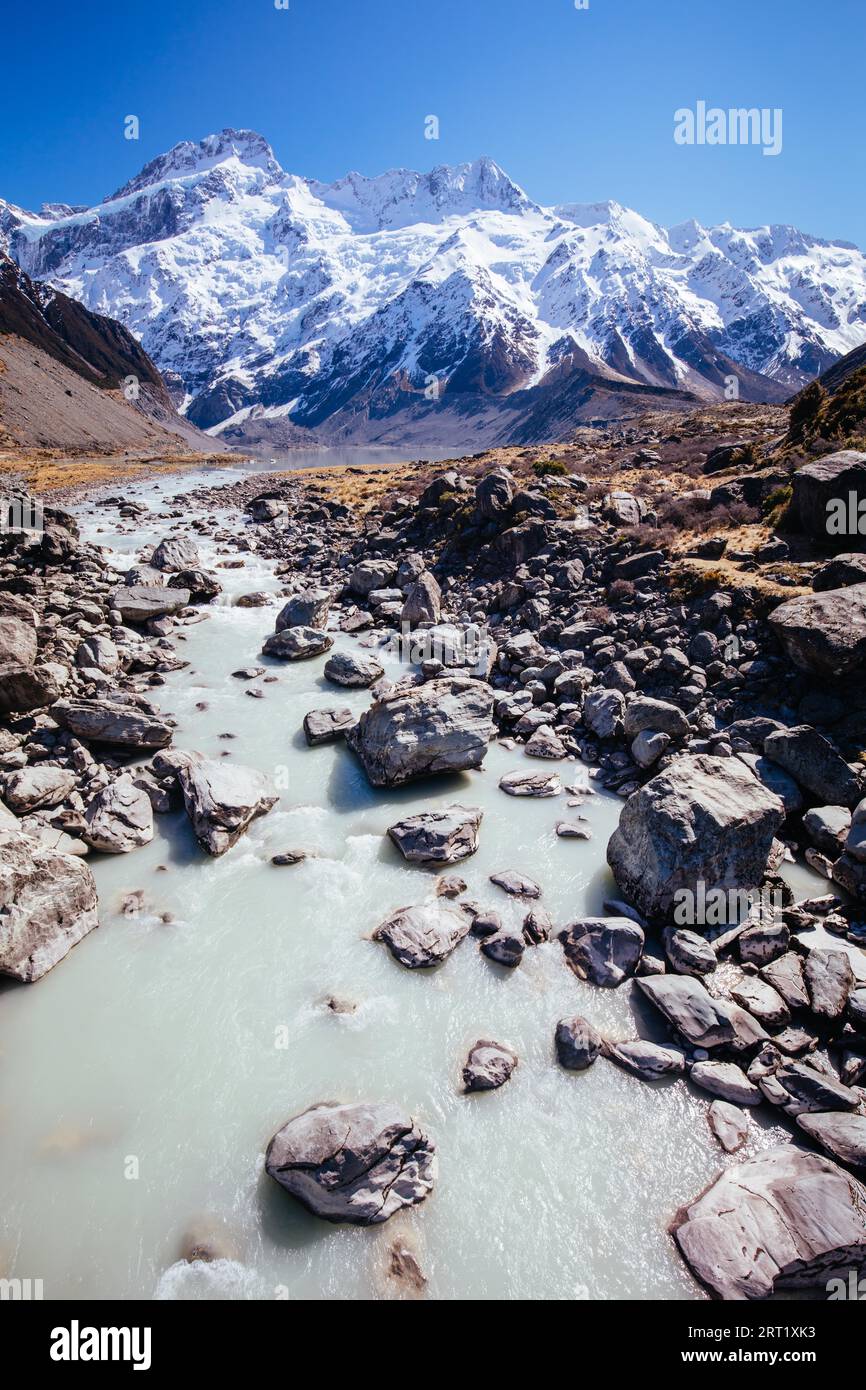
(46, 470)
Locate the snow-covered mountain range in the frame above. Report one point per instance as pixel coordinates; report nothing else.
(432, 305)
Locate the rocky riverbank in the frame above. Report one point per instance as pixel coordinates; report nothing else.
(633, 616)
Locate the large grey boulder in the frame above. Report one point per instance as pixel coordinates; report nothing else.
(799, 1089)
(98, 653)
(494, 494)
(727, 1081)
(47, 904)
(603, 712)
(222, 799)
(175, 553)
(843, 1136)
(783, 1219)
(352, 669)
(119, 818)
(443, 725)
(310, 608)
(824, 634)
(646, 1060)
(438, 837)
(813, 762)
(423, 936)
(327, 725)
(17, 641)
(690, 1009)
(423, 602)
(823, 498)
(643, 713)
(297, 643)
(370, 575)
(110, 722)
(829, 980)
(37, 788)
(138, 603)
(603, 950)
(354, 1163)
(24, 686)
(702, 820)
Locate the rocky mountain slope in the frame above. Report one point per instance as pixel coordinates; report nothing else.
(446, 305)
(72, 379)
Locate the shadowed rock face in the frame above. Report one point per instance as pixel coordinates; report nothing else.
(824, 634)
(703, 820)
(784, 1219)
(442, 726)
(354, 1163)
(828, 484)
(441, 837)
(814, 764)
(47, 904)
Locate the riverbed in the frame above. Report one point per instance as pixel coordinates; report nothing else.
(141, 1079)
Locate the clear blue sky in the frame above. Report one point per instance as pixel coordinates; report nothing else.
(575, 105)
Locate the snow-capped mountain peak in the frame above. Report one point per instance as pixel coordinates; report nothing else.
(269, 295)
(188, 158)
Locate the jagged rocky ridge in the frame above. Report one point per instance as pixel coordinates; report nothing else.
(446, 305)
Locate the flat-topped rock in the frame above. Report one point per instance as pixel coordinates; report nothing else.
(646, 1060)
(531, 784)
(423, 936)
(822, 498)
(297, 643)
(438, 837)
(111, 722)
(33, 788)
(690, 1009)
(784, 1219)
(327, 725)
(139, 603)
(310, 608)
(842, 1135)
(357, 1163)
(352, 669)
(729, 1124)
